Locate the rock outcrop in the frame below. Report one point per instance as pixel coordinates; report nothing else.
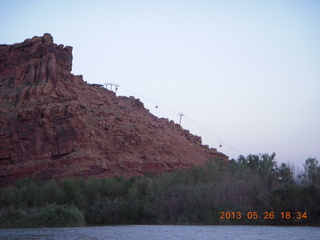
(55, 125)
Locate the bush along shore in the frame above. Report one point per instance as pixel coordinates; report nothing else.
(249, 190)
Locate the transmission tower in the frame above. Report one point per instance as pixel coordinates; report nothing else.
(111, 85)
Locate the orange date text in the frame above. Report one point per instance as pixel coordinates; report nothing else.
(263, 215)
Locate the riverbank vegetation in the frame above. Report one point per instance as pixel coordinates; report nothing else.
(249, 190)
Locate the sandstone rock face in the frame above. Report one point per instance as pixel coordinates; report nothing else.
(55, 125)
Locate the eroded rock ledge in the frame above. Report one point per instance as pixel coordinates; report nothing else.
(55, 125)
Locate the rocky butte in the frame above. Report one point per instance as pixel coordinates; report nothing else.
(55, 125)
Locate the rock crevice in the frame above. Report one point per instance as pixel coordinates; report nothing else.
(54, 125)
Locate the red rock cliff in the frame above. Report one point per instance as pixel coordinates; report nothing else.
(55, 125)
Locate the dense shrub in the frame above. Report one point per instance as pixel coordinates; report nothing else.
(49, 216)
(249, 184)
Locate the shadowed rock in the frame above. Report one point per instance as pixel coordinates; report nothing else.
(55, 125)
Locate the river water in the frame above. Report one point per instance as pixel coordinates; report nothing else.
(164, 232)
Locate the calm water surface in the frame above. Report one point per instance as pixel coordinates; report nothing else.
(142, 232)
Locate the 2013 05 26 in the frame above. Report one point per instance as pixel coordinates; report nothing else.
(265, 215)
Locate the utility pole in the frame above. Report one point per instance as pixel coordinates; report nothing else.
(181, 115)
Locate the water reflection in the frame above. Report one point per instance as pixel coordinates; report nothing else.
(156, 232)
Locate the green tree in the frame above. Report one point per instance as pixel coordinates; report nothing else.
(311, 169)
(285, 174)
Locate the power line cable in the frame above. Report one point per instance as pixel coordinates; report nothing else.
(156, 103)
(219, 139)
(181, 114)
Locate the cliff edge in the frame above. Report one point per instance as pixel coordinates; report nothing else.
(55, 125)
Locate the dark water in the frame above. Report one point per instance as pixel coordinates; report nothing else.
(164, 232)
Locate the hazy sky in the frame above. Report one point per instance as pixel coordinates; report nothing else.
(244, 73)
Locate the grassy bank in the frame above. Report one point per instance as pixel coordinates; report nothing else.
(249, 190)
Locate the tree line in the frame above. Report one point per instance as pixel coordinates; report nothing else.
(249, 190)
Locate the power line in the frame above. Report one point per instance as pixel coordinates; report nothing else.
(182, 115)
(219, 139)
(157, 105)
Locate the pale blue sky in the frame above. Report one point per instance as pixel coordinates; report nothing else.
(247, 72)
